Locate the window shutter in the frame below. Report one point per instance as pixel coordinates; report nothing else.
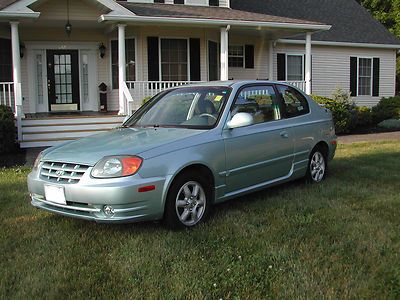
(281, 66)
(195, 59)
(249, 56)
(353, 76)
(153, 58)
(376, 78)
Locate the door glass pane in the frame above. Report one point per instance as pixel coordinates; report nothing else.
(39, 78)
(85, 78)
(63, 79)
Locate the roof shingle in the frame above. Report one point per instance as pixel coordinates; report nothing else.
(350, 22)
(206, 12)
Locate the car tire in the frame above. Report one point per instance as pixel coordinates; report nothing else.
(317, 166)
(188, 202)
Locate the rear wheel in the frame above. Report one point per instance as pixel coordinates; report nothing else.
(317, 166)
(188, 202)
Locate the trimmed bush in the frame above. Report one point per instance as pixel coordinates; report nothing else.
(341, 107)
(387, 108)
(145, 100)
(392, 124)
(7, 130)
(362, 118)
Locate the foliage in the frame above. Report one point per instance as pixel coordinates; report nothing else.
(146, 99)
(387, 108)
(390, 124)
(362, 117)
(341, 107)
(7, 130)
(338, 240)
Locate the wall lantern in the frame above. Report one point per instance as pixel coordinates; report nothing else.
(102, 50)
(21, 50)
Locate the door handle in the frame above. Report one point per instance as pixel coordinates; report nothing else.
(284, 134)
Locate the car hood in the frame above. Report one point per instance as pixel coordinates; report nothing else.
(122, 141)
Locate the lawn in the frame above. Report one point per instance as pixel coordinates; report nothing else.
(339, 239)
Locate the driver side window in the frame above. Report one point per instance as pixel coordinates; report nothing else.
(260, 102)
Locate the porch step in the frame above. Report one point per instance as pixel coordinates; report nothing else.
(44, 132)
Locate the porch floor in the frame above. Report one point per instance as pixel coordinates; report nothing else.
(70, 115)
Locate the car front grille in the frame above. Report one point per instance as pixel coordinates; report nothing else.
(62, 172)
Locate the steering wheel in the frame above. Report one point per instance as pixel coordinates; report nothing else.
(208, 115)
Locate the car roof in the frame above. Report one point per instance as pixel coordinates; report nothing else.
(232, 83)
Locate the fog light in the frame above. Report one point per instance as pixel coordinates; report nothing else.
(108, 210)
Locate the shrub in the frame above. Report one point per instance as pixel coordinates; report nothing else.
(390, 124)
(341, 106)
(7, 130)
(362, 118)
(146, 99)
(387, 108)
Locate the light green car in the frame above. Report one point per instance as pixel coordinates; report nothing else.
(185, 150)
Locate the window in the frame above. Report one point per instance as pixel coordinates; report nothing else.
(260, 102)
(295, 104)
(159, 1)
(236, 56)
(5, 61)
(295, 67)
(213, 2)
(179, 1)
(364, 76)
(130, 61)
(85, 77)
(174, 59)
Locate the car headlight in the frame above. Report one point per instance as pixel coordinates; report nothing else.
(116, 166)
(37, 161)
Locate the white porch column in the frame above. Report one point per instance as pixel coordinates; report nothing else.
(271, 61)
(308, 64)
(16, 61)
(224, 52)
(121, 68)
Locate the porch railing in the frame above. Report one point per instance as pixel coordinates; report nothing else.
(139, 90)
(144, 89)
(7, 94)
(299, 84)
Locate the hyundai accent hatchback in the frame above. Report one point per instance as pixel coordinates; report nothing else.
(185, 150)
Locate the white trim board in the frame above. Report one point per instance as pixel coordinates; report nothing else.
(340, 44)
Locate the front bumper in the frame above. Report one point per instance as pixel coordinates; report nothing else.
(87, 199)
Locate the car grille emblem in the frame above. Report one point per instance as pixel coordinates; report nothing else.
(60, 173)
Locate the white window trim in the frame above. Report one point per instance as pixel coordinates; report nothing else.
(110, 60)
(159, 54)
(244, 55)
(372, 75)
(302, 65)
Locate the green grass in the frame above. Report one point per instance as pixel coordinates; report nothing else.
(339, 239)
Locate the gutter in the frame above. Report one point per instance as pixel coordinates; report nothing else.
(191, 21)
(340, 44)
(19, 15)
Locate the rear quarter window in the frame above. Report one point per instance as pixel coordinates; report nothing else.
(294, 103)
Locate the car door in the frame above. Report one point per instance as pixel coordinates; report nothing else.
(296, 110)
(263, 151)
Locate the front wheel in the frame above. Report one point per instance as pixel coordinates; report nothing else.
(317, 166)
(188, 201)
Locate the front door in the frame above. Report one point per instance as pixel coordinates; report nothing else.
(63, 80)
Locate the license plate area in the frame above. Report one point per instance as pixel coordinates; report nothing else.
(54, 193)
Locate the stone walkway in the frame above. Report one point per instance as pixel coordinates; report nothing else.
(348, 139)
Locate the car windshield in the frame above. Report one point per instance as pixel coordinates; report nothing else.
(189, 107)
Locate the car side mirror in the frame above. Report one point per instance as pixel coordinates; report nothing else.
(241, 119)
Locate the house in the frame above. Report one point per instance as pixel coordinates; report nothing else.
(55, 54)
